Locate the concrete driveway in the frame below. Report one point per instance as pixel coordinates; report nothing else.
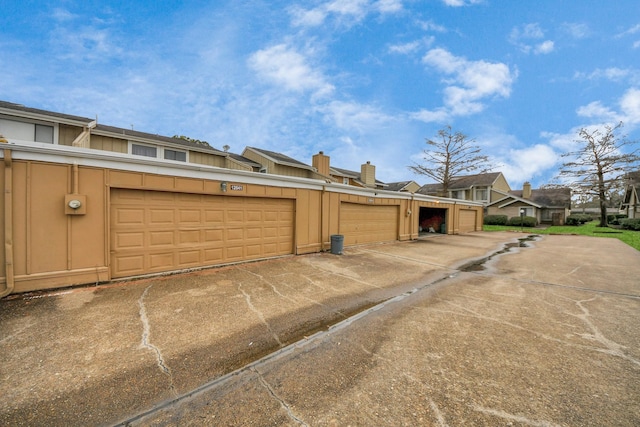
(543, 335)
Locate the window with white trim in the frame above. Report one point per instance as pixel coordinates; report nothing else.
(177, 155)
(482, 194)
(527, 211)
(345, 180)
(457, 194)
(26, 131)
(144, 150)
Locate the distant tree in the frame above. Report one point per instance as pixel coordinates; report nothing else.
(599, 162)
(449, 155)
(197, 141)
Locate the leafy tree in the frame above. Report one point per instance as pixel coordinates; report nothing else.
(599, 162)
(197, 141)
(450, 155)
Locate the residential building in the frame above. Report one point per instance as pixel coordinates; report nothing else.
(88, 203)
(631, 202)
(547, 205)
(407, 186)
(483, 188)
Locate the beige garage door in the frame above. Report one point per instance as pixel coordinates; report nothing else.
(153, 231)
(467, 221)
(368, 223)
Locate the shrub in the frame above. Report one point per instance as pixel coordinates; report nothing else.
(630, 224)
(572, 220)
(584, 218)
(577, 219)
(527, 221)
(496, 220)
(615, 218)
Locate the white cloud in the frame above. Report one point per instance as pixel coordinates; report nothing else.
(575, 30)
(411, 47)
(613, 74)
(631, 31)
(526, 36)
(286, 67)
(354, 117)
(598, 111)
(432, 26)
(405, 48)
(629, 113)
(524, 164)
(471, 82)
(459, 3)
(440, 115)
(389, 6)
(349, 11)
(544, 47)
(630, 106)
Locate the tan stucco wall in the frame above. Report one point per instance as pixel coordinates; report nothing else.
(53, 248)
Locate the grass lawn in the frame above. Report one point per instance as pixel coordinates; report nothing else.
(631, 238)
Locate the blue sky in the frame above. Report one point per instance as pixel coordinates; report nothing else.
(361, 80)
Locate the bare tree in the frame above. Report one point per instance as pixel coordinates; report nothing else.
(451, 154)
(599, 162)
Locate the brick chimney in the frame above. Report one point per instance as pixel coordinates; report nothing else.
(321, 163)
(526, 190)
(368, 174)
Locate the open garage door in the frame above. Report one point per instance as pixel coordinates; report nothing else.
(432, 220)
(153, 231)
(368, 223)
(467, 222)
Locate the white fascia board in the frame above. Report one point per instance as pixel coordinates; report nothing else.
(119, 161)
(62, 154)
(44, 117)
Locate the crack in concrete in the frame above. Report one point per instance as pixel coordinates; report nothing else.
(258, 313)
(511, 417)
(273, 394)
(275, 290)
(612, 347)
(439, 417)
(145, 342)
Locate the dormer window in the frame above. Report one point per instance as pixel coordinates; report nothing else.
(481, 194)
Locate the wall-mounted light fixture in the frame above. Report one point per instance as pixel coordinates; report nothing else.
(223, 186)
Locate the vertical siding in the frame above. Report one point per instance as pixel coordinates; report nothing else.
(67, 134)
(106, 143)
(206, 159)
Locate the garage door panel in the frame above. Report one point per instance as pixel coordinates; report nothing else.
(129, 240)
(130, 216)
(467, 221)
(161, 238)
(368, 223)
(154, 231)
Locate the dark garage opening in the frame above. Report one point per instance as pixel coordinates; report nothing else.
(432, 220)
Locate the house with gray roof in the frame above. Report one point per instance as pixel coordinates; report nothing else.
(547, 205)
(485, 188)
(407, 186)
